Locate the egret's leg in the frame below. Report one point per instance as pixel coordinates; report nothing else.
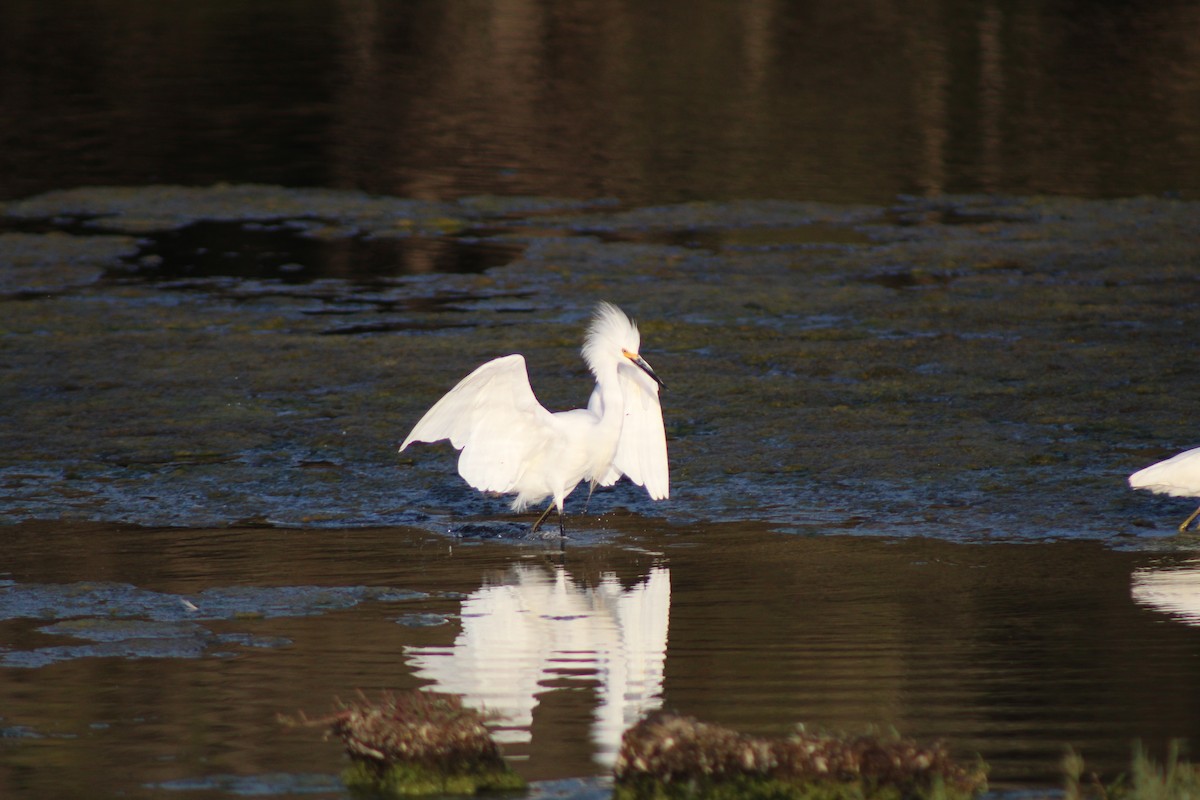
(562, 523)
(542, 518)
(1183, 527)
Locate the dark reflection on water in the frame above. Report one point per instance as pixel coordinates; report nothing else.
(1009, 651)
(258, 251)
(837, 102)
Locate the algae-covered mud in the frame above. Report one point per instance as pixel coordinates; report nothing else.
(969, 368)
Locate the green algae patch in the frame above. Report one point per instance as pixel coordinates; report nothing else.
(41, 264)
(667, 757)
(408, 780)
(417, 743)
(143, 209)
(337, 213)
(960, 367)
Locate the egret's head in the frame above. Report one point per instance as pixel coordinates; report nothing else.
(612, 339)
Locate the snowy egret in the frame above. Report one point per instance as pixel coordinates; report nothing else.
(1178, 476)
(511, 444)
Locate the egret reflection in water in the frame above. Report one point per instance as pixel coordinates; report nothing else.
(536, 628)
(1174, 590)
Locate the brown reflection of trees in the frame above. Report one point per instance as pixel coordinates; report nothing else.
(765, 99)
(709, 99)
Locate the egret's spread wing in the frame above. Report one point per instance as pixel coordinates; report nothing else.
(642, 448)
(1178, 476)
(493, 417)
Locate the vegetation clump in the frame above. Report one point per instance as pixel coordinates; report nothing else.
(417, 743)
(669, 757)
(1176, 779)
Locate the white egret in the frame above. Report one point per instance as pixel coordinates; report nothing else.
(512, 445)
(1178, 476)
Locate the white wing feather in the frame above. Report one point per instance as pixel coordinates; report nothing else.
(494, 418)
(1178, 476)
(642, 448)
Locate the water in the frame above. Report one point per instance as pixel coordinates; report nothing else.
(244, 247)
(898, 446)
(850, 102)
(1012, 651)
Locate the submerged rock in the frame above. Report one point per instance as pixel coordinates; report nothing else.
(418, 743)
(668, 756)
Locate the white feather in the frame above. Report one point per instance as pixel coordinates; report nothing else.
(642, 447)
(1178, 476)
(489, 415)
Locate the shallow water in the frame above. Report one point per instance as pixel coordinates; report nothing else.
(244, 246)
(1009, 651)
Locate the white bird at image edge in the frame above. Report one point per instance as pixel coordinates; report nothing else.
(1178, 476)
(512, 445)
